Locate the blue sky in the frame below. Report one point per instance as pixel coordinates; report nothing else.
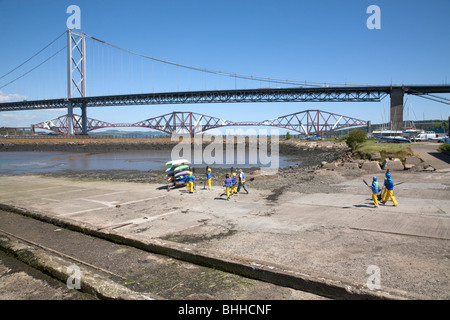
(319, 41)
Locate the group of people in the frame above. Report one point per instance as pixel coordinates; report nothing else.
(388, 192)
(232, 184)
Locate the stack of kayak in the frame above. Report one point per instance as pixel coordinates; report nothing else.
(177, 170)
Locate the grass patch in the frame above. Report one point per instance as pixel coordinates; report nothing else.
(386, 150)
(444, 148)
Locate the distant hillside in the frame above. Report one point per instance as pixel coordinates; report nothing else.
(438, 126)
(125, 134)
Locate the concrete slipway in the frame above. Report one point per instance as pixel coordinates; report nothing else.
(333, 244)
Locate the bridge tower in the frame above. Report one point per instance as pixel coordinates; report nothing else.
(76, 76)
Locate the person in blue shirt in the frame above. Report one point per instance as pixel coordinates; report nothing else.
(227, 185)
(375, 189)
(233, 184)
(189, 182)
(389, 190)
(208, 178)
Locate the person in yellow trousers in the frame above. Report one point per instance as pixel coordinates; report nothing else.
(227, 185)
(233, 184)
(190, 182)
(388, 190)
(375, 189)
(208, 177)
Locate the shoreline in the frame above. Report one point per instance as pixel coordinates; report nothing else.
(123, 144)
(308, 157)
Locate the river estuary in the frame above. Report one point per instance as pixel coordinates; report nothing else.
(26, 162)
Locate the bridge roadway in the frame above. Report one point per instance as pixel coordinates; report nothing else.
(321, 94)
(297, 94)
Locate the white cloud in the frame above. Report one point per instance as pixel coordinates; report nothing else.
(21, 119)
(24, 118)
(14, 119)
(8, 97)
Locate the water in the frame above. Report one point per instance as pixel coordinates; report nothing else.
(44, 162)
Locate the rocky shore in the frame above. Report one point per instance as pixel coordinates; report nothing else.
(84, 144)
(105, 144)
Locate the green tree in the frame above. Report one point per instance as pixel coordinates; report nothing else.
(355, 138)
(288, 136)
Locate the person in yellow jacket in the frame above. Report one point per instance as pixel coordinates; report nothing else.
(233, 184)
(242, 181)
(189, 182)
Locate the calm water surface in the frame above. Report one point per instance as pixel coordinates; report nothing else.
(41, 162)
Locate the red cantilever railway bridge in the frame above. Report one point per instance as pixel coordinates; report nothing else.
(309, 122)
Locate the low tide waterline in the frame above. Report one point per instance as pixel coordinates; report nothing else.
(24, 162)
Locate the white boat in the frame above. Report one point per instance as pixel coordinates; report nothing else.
(411, 133)
(392, 136)
(387, 133)
(394, 140)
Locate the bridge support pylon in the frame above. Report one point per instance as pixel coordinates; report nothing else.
(76, 75)
(396, 115)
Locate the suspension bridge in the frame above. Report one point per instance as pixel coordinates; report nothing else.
(306, 122)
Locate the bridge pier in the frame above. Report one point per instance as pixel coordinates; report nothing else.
(70, 118)
(84, 119)
(396, 115)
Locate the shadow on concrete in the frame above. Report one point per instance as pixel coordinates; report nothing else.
(441, 156)
(170, 187)
(217, 198)
(362, 206)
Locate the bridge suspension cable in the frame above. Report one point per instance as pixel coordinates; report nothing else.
(33, 56)
(40, 64)
(179, 65)
(223, 73)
